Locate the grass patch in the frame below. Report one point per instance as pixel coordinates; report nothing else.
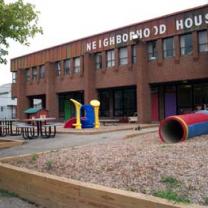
(206, 200)
(34, 157)
(4, 193)
(49, 164)
(170, 181)
(171, 196)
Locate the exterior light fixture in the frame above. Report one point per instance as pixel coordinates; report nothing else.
(135, 37)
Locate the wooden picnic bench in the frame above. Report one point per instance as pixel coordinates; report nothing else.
(2, 130)
(27, 131)
(133, 118)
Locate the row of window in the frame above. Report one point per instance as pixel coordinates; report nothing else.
(110, 57)
(186, 45)
(39, 72)
(68, 66)
(73, 65)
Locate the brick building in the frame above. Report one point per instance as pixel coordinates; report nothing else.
(156, 68)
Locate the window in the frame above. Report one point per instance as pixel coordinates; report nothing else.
(77, 65)
(123, 56)
(203, 41)
(58, 68)
(184, 98)
(42, 72)
(168, 48)
(152, 50)
(27, 74)
(124, 102)
(110, 58)
(34, 73)
(67, 64)
(186, 44)
(98, 60)
(4, 93)
(133, 54)
(14, 77)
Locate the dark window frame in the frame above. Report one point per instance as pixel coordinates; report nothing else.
(98, 60)
(14, 77)
(110, 59)
(168, 52)
(27, 74)
(58, 68)
(41, 71)
(34, 73)
(77, 68)
(125, 58)
(152, 50)
(203, 44)
(67, 67)
(133, 56)
(187, 49)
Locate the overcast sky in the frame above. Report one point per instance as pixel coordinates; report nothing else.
(66, 20)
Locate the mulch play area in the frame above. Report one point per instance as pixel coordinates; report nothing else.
(140, 164)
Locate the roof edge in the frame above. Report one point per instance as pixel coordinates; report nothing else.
(111, 30)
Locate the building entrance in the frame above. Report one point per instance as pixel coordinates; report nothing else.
(117, 102)
(66, 108)
(178, 98)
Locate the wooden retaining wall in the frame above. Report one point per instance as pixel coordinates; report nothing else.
(58, 192)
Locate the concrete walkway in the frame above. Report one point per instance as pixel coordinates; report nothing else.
(68, 140)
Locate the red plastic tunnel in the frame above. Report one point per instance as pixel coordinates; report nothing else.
(181, 127)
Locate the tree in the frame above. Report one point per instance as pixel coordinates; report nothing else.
(18, 21)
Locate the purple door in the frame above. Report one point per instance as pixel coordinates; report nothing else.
(170, 104)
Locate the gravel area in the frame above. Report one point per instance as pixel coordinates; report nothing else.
(140, 164)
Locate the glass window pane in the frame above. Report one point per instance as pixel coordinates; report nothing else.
(203, 41)
(186, 44)
(42, 72)
(27, 74)
(133, 54)
(14, 77)
(77, 65)
(34, 73)
(58, 68)
(152, 50)
(110, 58)
(168, 47)
(123, 56)
(118, 104)
(98, 60)
(67, 64)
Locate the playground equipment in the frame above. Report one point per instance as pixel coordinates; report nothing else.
(181, 127)
(77, 108)
(96, 105)
(91, 118)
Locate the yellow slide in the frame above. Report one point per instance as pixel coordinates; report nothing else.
(77, 108)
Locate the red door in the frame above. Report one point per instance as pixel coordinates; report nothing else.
(154, 107)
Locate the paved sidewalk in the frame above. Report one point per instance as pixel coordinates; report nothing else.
(68, 140)
(104, 128)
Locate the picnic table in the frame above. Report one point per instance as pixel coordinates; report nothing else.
(6, 127)
(38, 127)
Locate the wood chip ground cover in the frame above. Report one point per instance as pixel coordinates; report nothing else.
(140, 164)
